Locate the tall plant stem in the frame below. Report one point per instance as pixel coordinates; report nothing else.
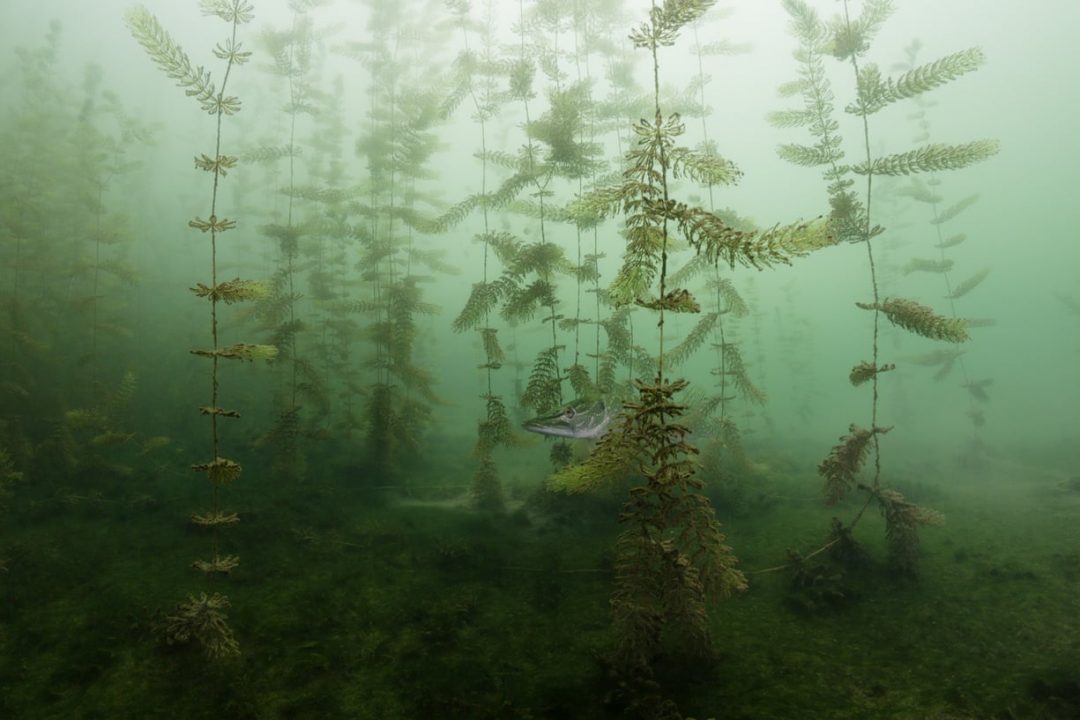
(873, 274)
(214, 382)
(541, 188)
(664, 183)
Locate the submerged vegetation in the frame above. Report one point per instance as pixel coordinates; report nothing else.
(849, 39)
(428, 220)
(201, 618)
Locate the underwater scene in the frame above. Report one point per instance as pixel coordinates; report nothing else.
(529, 359)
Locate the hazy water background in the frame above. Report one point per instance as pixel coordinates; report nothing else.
(1024, 227)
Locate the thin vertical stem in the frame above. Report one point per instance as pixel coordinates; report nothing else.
(214, 382)
(866, 232)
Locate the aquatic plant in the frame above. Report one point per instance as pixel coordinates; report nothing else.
(542, 259)
(35, 177)
(552, 149)
(848, 40)
(405, 101)
(108, 135)
(713, 412)
(587, 21)
(942, 214)
(203, 620)
(290, 51)
(478, 75)
(671, 558)
(63, 254)
(91, 436)
(330, 382)
(221, 471)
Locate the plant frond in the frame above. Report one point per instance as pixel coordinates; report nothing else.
(678, 300)
(806, 155)
(792, 88)
(232, 291)
(729, 298)
(735, 369)
(482, 300)
(696, 265)
(543, 391)
(432, 259)
(493, 352)
(203, 620)
(926, 265)
(495, 429)
(640, 263)
(807, 26)
(842, 464)
(241, 351)
(330, 196)
(968, 285)
(791, 119)
(936, 358)
(542, 258)
(865, 371)
(920, 319)
(599, 203)
(486, 491)
(214, 224)
(977, 389)
(231, 11)
(953, 210)
(725, 47)
(615, 458)
(702, 167)
(951, 241)
(523, 302)
(219, 165)
(917, 190)
(505, 246)
(268, 153)
(694, 339)
(170, 57)
(851, 39)
(666, 20)
(875, 92)
(219, 471)
(902, 520)
(583, 386)
(119, 400)
(935, 157)
(758, 249)
(455, 214)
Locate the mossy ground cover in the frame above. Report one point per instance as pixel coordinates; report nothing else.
(348, 606)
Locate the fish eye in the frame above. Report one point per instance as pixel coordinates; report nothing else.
(569, 413)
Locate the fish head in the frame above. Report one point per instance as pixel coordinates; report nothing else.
(578, 419)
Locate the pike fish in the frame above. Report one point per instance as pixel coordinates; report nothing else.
(581, 418)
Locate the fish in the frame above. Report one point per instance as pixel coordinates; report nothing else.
(581, 418)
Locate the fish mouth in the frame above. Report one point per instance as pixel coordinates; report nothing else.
(541, 427)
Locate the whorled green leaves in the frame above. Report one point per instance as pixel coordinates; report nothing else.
(666, 20)
(852, 38)
(231, 11)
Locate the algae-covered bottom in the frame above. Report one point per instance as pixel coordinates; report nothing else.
(350, 605)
